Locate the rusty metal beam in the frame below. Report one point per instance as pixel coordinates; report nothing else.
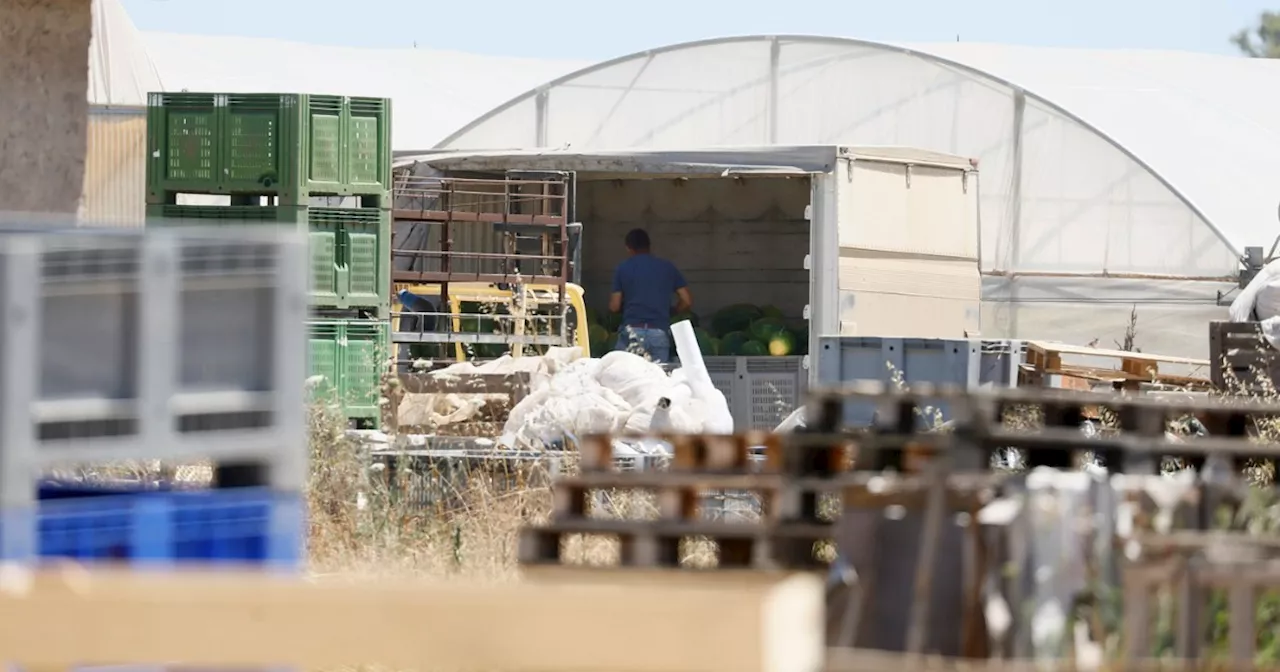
(488, 217)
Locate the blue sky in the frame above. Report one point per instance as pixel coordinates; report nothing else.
(598, 29)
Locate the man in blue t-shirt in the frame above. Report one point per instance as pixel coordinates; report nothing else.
(642, 289)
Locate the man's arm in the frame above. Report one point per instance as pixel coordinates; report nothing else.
(615, 299)
(684, 300)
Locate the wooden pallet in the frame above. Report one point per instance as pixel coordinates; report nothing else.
(751, 452)
(1046, 361)
(1191, 577)
(788, 481)
(1240, 359)
(657, 544)
(979, 429)
(677, 495)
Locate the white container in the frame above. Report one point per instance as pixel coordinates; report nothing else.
(172, 345)
(761, 391)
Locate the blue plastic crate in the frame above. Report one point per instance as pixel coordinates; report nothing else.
(233, 526)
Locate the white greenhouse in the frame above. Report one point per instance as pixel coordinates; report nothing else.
(1111, 181)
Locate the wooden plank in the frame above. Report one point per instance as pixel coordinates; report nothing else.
(233, 619)
(1049, 347)
(1242, 608)
(645, 576)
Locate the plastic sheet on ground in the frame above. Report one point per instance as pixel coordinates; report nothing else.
(442, 410)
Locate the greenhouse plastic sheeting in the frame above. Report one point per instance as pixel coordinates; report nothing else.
(1091, 161)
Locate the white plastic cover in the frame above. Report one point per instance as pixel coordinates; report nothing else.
(432, 92)
(120, 70)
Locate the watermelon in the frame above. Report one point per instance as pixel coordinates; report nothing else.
(731, 343)
(765, 327)
(596, 337)
(612, 321)
(754, 349)
(772, 311)
(592, 316)
(781, 344)
(706, 342)
(737, 317)
(491, 350)
(682, 317)
(800, 332)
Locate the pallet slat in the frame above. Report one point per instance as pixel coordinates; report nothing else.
(70, 619)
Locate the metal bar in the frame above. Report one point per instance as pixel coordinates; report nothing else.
(431, 277)
(501, 256)
(160, 307)
(456, 337)
(480, 217)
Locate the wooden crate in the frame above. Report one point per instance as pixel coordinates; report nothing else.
(1240, 359)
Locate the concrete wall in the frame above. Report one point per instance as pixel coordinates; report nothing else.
(44, 80)
(736, 241)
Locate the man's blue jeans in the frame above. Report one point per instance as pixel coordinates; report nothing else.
(654, 344)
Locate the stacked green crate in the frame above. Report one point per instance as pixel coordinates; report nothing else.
(350, 247)
(351, 356)
(292, 148)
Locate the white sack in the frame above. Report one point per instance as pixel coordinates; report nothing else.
(1262, 295)
(633, 377)
(568, 404)
(683, 414)
(719, 420)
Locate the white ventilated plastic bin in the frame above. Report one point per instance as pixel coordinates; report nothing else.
(152, 344)
(970, 363)
(761, 391)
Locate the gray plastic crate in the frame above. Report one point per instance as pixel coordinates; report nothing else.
(971, 363)
(761, 391)
(151, 345)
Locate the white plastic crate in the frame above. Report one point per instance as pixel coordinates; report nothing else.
(151, 345)
(761, 391)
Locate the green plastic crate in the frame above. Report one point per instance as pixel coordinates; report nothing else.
(288, 145)
(351, 356)
(350, 247)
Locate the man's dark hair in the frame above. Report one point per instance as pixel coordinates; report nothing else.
(638, 240)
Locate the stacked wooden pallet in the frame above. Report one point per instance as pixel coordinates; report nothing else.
(933, 577)
(789, 483)
(1049, 364)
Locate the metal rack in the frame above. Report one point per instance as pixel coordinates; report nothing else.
(512, 233)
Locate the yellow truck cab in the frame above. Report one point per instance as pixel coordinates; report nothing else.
(537, 301)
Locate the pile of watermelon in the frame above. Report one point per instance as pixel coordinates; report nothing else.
(751, 331)
(738, 330)
(602, 332)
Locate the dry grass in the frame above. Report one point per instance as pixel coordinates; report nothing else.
(365, 519)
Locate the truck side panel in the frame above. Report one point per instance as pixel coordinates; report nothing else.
(908, 263)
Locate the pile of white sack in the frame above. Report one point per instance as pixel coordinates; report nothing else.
(1260, 301)
(620, 392)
